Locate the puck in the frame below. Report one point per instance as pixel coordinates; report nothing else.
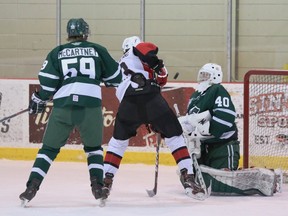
(176, 75)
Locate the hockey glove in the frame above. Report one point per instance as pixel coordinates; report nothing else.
(199, 118)
(147, 53)
(36, 105)
(162, 77)
(158, 65)
(185, 124)
(203, 128)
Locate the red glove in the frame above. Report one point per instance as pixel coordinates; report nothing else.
(162, 77)
(147, 53)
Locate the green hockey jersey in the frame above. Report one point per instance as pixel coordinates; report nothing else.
(217, 100)
(72, 74)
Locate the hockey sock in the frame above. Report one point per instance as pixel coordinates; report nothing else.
(43, 161)
(95, 162)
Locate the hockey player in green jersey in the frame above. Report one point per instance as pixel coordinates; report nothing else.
(71, 76)
(211, 133)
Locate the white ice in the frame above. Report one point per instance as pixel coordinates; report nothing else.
(66, 192)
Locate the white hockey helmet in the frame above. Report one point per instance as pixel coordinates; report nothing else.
(130, 42)
(210, 72)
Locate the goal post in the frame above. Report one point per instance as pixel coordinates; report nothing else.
(265, 122)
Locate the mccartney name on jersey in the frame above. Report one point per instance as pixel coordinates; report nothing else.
(78, 51)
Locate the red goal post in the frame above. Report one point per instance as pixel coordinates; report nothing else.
(265, 122)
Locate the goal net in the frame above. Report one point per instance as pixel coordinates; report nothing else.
(265, 123)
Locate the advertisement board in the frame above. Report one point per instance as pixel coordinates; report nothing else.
(144, 138)
(23, 133)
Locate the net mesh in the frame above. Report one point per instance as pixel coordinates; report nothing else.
(268, 120)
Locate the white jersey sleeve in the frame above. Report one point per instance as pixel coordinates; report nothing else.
(133, 63)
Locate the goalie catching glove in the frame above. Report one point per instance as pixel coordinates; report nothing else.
(195, 127)
(186, 126)
(196, 124)
(36, 105)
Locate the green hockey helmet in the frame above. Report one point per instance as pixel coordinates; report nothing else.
(77, 28)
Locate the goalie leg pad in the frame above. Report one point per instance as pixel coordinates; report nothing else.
(241, 182)
(279, 180)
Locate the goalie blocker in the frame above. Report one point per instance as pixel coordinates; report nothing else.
(251, 181)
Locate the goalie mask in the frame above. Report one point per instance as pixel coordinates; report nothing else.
(209, 74)
(77, 28)
(130, 42)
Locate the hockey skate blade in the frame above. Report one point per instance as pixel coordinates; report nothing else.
(198, 196)
(102, 202)
(24, 203)
(151, 193)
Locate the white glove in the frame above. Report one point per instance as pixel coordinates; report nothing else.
(203, 129)
(183, 119)
(196, 118)
(185, 124)
(193, 140)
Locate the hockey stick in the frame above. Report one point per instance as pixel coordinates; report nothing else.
(199, 175)
(14, 115)
(198, 172)
(153, 192)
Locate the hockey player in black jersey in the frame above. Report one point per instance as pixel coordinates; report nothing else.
(141, 102)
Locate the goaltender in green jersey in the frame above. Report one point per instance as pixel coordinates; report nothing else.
(211, 134)
(71, 76)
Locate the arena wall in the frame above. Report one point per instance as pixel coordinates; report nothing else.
(21, 136)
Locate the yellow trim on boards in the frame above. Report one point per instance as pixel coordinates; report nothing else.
(79, 156)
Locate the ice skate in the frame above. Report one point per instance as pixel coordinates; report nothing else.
(97, 191)
(30, 192)
(192, 189)
(108, 181)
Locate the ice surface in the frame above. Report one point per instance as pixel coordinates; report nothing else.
(66, 192)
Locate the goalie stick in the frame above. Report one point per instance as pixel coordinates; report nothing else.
(14, 115)
(198, 172)
(153, 192)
